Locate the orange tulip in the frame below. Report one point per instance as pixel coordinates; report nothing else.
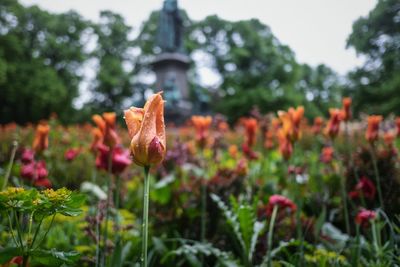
(202, 124)
(333, 126)
(346, 112)
(388, 138)
(233, 151)
(250, 125)
(147, 129)
(268, 139)
(373, 128)
(41, 141)
(318, 121)
(106, 124)
(285, 143)
(291, 122)
(327, 154)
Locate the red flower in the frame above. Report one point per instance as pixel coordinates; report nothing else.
(71, 154)
(27, 156)
(346, 112)
(364, 217)
(365, 187)
(37, 173)
(327, 154)
(249, 152)
(251, 126)
(318, 121)
(282, 202)
(333, 126)
(373, 128)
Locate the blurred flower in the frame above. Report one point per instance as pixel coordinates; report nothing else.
(268, 139)
(364, 217)
(373, 128)
(97, 139)
(250, 125)
(242, 167)
(202, 125)
(147, 130)
(282, 202)
(333, 126)
(27, 156)
(71, 154)
(233, 151)
(388, 138)
(37, 173)
(106, 126)
(249, 152)
(285, 144)
(365, 187)
(41, 141)
(120, 159)
(346, 112)
(291, 122)
(327, 154)
(317, 126)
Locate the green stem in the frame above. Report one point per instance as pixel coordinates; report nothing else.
(377, 176)
(270, 234)
(36, 232)
(105, 235)
(203, 211)
(344, 200)
(19, 231)
(12, 230)
(145, 222)
(7, 177)
(47, 231)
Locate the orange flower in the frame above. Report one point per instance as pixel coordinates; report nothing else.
(233, 151)
(41, 141)
(98, 139)
(268, 139)
(327, 154)
(388, 138)
(291, 122)
(346, 112)
(333, 126)
(373, 128)
(318, 121)
(106, 125)
(250, 125)
(147, 129)
(285, 144)
(202, 124)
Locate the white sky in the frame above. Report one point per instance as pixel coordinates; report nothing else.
(316, 30)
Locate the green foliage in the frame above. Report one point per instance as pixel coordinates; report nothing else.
(113, 80)
(40, 58)
(376, 85)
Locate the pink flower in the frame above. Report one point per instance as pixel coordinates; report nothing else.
(71, 154)
(364, 217)
(282, 202)
(120, 158)
(27, 156)
(365, 187)
(28, 171)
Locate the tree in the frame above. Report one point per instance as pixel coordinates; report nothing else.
(113, 82)
(376, 85)
(40, 58)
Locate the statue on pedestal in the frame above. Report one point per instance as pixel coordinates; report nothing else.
(169, 37)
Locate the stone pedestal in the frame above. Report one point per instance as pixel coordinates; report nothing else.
(171, 73)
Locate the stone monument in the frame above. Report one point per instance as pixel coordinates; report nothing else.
(172, 63)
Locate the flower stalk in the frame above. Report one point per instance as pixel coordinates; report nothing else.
(145, 220)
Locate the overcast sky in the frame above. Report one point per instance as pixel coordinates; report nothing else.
(315, 29)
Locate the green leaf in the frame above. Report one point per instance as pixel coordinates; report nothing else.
(54, 258)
